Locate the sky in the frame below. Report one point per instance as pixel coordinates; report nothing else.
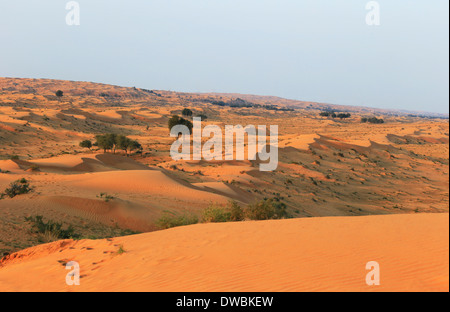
(312, 50)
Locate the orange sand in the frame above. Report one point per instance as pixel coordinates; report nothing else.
(320, 254)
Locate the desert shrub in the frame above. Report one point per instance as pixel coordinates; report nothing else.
(14, 157)
(50, 230)
(121, 250)
(266, 209)
(170, 220)
(18, 187)
(236, 212)
(202, 116)
(230, 213)
(59, 93)
(105, 197)
(216, 214)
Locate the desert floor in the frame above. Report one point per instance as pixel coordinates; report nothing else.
(389, 180)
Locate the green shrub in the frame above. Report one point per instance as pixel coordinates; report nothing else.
(216, 214)
(236, 212)
(231, 213)
(50, 230)
(121, 250)
(105, 197)
(266, 209)
(18, 187)
(170, 220)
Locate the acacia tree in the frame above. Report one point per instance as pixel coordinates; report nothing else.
(86, 144)
(113, 141)
(186, 112)
(105, 142)
(59, 94)
(135, 145)
(177, 120)
(123, 143)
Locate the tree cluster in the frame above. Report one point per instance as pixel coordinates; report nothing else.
(115, 142)
(334, 115)
(373, 120)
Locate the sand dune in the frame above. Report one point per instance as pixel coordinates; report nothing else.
(119, 213)
(8, 165)
(327, 167)
(63, 161)
(320, 254)
(226, 190)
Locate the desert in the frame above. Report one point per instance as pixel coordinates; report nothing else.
(347, 190)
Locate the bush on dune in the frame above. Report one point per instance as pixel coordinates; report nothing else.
(267, 209)
(170, 220)
(50, 231)
(217, 214)
(16, 188)
(236, 212)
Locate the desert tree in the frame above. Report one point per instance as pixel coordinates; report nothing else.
(86, 144)
(123, 143)
(177, 120)
(105, 141)
(344, 115)
(186, 112)
(135, 145)
(202, 116)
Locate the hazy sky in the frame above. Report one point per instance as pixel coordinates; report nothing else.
(315, 50)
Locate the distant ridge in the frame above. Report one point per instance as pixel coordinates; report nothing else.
(48, 87)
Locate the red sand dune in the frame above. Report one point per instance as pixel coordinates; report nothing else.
(319, 254)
